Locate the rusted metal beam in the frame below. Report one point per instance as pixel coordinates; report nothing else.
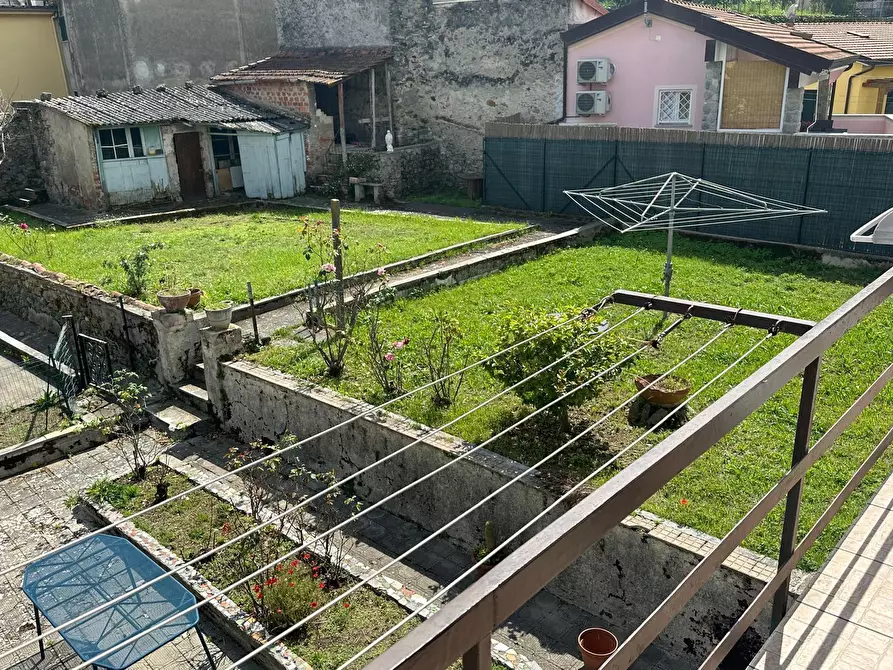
(802, 439)
(491, 600)
(784, 571)
(703, 310)
(658, 620)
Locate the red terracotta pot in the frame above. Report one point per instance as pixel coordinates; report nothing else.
(596, 646)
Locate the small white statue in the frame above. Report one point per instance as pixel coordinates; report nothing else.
(389, 141)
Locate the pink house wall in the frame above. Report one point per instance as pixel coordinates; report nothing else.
(865, 124)
(667, 54)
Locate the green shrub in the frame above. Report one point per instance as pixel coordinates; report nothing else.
(113, 493)
(548, 386)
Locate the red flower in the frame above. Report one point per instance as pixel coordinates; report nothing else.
(306, 557)
(291, 571)
(291, 584)
(294, 563)
(313, 604)
(322, 585)
(684, 501)
(279, 568)
(271, 581)
(346, 605)
(23, 225)
(278, 611)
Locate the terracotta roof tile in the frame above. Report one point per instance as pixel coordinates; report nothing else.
(777, 32)
(322, 66)
(873, 40)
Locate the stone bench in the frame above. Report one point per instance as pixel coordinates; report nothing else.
(359, 190)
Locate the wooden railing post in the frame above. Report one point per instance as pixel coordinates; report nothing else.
(802, 438)
(479, 656)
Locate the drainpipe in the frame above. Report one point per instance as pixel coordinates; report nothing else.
(564, 87)
(849, 87)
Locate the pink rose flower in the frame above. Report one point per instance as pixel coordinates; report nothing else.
(380, 272)
(399, 344)
(23, 225)
(389, 356)
(327, 267)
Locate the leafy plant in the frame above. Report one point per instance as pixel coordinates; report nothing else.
(116, 494)
(335, 302)
(385, 358)
(138, 450)
(439, 351)
(136, 269)
(535, 355)
(47, 401)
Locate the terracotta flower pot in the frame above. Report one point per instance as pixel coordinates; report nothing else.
(596, 646)
(661, 397)
(195, 297)
(173, 302)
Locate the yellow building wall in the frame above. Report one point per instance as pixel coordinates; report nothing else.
(30, 55)
(863, 99)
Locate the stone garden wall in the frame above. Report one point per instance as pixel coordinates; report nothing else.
(621, 579)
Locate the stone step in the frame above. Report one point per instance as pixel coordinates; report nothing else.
(197, 374)
(179, 421)
(31, 194)
(195, 395)
(23, 202)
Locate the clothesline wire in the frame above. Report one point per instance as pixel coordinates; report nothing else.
(484, 500)
(384, 500)
(443, 591)
(585, 314)
(291, 510)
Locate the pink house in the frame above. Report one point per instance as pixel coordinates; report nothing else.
(675, 64)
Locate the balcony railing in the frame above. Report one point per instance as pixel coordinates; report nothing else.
(462, 628)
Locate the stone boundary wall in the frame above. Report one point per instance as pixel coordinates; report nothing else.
(48, 448)
(42, 297)
(621, 579)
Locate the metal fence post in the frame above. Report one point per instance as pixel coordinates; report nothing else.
(81, 363)
(478, 657)
(802, 438)
(253, 312)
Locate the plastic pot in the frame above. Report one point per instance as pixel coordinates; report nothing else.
(596, 645)
(173, 302)
(219, 319)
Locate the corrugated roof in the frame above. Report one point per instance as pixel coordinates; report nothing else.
(196, 104)
(777, 32)
(873, 40)
(320, 66)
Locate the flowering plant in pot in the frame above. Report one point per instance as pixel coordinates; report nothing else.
(219, 314)
(172, 296)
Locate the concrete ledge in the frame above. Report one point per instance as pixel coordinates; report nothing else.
(48, 449)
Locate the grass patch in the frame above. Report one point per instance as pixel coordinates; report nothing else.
(27, 423)
(449, 198)
(219, 253)
(192, 525)
(722, 485)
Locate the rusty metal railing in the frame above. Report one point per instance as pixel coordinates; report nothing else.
(462, 628)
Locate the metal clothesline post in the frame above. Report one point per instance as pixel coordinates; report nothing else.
(668, 267)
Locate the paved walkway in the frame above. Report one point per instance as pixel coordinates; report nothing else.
(33, 519)
(844, 621)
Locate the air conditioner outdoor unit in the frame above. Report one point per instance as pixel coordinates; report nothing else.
(593, 103)
(594, 71)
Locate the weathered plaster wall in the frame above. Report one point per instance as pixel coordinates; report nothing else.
(115, 44)
(456, 66)
(666, 54)
(712, 90)
(20, 169)
(66, 153)
(621, 579)
(43, 298)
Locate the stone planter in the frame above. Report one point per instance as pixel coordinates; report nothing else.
(219, 318)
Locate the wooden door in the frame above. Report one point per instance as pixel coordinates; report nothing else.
(187, 149)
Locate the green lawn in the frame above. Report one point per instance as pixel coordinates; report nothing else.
(190, 526)
(221, 252)
(722, 485)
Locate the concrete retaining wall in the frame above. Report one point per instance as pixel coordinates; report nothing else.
(621, 579)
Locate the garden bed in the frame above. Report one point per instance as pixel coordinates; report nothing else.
(221, 252)
(191, 526)
(721, 486)
(27, 423)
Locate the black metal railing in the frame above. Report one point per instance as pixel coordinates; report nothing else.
(462, 628)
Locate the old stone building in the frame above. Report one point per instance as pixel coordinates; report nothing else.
(117, 44)
(456, 65)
